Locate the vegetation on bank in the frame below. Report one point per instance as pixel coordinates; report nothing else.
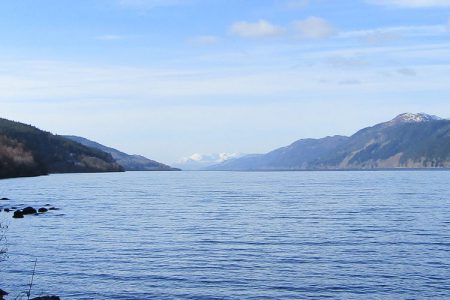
(127, 161)
(28, 151)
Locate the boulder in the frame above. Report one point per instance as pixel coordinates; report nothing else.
(7, 210)
(42, 210)
(4, 198)
(2, 294)
(46, 298)
(29, 210)
(18, 214)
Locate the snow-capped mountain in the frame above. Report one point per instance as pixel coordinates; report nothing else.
(198, 161)
(414, 118)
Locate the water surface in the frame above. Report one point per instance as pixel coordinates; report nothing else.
(232, 235)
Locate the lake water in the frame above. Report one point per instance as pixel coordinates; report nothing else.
(232, 235)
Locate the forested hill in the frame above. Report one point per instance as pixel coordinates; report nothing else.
(127, 161)
(28, 151)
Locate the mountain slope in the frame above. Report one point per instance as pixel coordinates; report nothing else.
(423, 142)
(16, 160)
(28, 151)
(299, 155)
(407, 141)
(127, 161)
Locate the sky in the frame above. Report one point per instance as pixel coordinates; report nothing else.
(169, 78)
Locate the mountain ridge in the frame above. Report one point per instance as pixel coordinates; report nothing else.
(407, 141)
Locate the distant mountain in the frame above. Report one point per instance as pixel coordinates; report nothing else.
(199, 161)
(28, 151)
(127, 161)
(407, 141)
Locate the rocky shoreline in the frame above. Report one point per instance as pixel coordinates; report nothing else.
(3, 294)
(20, 214)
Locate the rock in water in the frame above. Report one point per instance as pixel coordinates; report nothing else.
(46, 298)
(29, 210)
(2, 294)
(18, 214)
(42, 210)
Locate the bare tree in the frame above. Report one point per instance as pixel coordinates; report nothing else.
(3, 245)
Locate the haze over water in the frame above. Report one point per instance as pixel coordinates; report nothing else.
(232, 235)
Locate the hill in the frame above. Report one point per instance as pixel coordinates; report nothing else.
(127, 161)
(407, 141)
(28, 151)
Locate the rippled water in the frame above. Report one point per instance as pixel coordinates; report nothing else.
(232, 235)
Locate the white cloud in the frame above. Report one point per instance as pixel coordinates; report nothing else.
(205, 40)
(109, 37)
(314, 28)
(412, 3)
(259, 29)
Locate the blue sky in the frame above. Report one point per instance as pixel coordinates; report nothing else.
(169, 78)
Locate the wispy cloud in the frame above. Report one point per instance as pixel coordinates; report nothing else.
(377, 35)
(381, 37)
(314, 28)
(349, 82)
(149, 4)
(109, 37)
(407, 72)
(412, 3)
(205, 40)
(60, 82)
(259, 29)
(342, 62)
(297, 4)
